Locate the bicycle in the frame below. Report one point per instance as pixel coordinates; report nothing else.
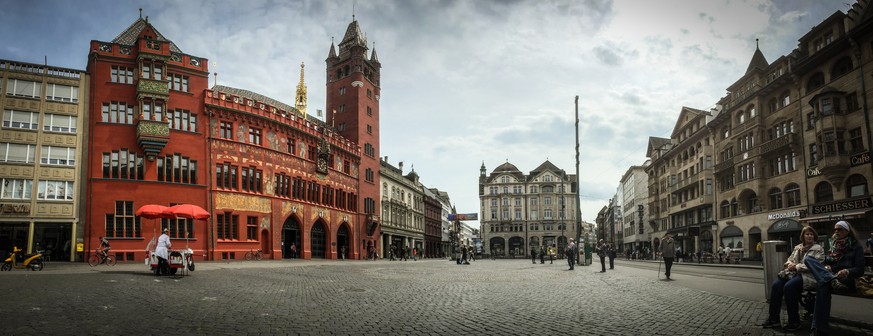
(254, 254)
(98, 258)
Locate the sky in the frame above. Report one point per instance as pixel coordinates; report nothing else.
(464, 83)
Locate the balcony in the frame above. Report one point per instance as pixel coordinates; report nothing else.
(152, 136)
(724, 165)
(148, 88)
(779, 144)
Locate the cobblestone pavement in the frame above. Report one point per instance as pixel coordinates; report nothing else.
(431, 297)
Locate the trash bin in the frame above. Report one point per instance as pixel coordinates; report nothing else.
(775, 254)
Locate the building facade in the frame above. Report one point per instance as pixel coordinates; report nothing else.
(520, 212)
(402, 208)
(634, 185)
(44, 117)
(270, 175)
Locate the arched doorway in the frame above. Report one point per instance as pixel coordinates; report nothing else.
(342, 241)
(706, 241)
(516, 246)
(785, 229)
(754, 239)
(497, 245)
(291, 235)
(732, 237)
(318, 240)
(266, 245)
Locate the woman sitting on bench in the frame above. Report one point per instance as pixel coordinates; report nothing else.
(793, 279)
(844, 262)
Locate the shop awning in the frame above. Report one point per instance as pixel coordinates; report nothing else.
(834, 216)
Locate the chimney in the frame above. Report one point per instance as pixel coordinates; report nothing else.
(400, 165)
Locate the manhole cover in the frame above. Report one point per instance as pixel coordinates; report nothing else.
(749, 331)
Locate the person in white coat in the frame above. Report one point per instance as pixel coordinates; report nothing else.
(162, 251)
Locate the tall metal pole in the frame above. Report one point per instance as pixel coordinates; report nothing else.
(579, 187)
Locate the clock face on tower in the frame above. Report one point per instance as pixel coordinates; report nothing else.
(322, 165)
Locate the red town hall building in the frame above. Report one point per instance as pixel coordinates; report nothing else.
(270, 175)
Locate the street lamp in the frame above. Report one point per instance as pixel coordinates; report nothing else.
(562, 219)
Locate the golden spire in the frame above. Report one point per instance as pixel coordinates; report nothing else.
(300, 100)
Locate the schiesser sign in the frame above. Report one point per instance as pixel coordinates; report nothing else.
(856, 204)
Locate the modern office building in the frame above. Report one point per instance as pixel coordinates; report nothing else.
(45, 110)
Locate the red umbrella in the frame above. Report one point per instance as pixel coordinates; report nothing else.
(151, 211)
(187, 211)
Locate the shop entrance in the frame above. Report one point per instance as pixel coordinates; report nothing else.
(291, 235)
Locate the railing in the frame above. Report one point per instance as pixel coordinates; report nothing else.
(778, 143)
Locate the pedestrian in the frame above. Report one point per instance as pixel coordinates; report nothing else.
(391, 252)
(343, 252)
(668, 252)
(552, 254)
(464, 256)
(414, 253)
(727, 254)
(611, 251)
(721, 254)
(542, 255)
(759, 247)
(571, 254)
(533, 255)
(293, 250)
(601, 252)
(844, 262)
(162, 251)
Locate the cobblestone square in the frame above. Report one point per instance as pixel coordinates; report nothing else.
(430, 297)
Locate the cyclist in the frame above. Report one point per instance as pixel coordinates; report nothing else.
(104, 248)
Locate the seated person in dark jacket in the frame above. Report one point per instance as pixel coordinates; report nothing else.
(844, 262)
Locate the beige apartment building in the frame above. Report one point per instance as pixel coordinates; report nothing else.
(44, 111)
(792, 139)
(520, 212)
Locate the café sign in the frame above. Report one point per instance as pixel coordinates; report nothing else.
(860, 159)
(856, 204)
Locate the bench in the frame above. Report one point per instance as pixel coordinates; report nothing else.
(807, 297)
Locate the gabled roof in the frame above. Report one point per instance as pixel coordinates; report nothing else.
(130, 35)
(547, 165)
(685, 115)
(655, 143)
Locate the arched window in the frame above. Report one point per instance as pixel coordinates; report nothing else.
(824, 192)
(815, 81)
(775, 199)
(725, 209)
(752, 111)
(741, 117)
(841, 67)
(772, 105)
(792, 195)
(856, 186)
(786, 99)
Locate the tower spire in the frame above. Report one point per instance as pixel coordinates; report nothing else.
(300, 99)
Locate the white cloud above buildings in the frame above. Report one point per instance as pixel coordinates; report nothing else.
(464, 82)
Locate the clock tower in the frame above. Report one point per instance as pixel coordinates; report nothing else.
(352, 103)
